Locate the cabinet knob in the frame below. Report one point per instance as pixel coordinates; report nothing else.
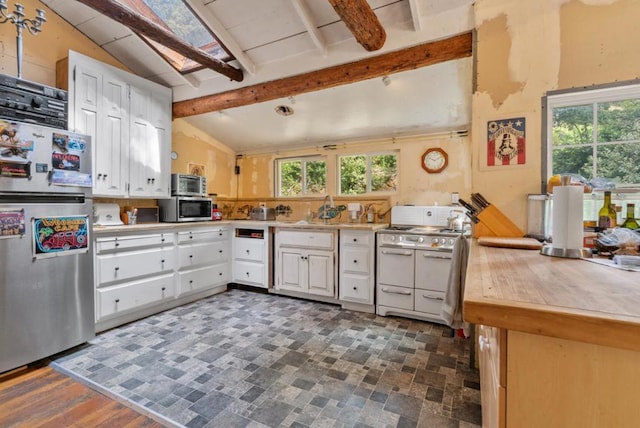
(248, 274)
(191, 281)
(116, 268)
(190, 256)
(164, 288)
(117, 300)
(355, 239)
(190, 237)
(162, 261)
(153, 180)
(104, 176)
(148, 180)
(220, 251)
(162, 240)
(355, 288)
(220, 274)
(248, 251)
(355, 261)
(99, 175)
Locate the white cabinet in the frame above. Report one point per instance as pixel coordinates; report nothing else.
(203, 259)
(132, 272)
(305, 261)
(129, 121)
(357, 258)
(251, 256)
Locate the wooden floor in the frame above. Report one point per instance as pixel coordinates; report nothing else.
(41, 397)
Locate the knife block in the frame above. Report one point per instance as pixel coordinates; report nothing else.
(498, 224)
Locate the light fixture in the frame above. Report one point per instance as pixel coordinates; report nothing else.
(17, 18)
(386, 80)
(283, 110)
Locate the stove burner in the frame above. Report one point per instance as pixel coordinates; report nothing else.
(399, 227)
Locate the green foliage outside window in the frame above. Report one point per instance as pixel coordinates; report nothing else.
(600, 139)
(361, 174)
(300, 177)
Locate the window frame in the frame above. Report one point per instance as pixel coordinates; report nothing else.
(368, 156)
(619, 91)
(304, 160)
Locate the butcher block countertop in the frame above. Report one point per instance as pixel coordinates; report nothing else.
(571, 299)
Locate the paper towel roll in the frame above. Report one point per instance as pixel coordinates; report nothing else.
(567, 229)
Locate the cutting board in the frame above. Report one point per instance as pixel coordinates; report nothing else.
(521, 243)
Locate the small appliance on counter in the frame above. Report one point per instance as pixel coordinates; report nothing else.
(185, 208)
(144, 214)
(188, 185)
(106, 214)
(263, 214)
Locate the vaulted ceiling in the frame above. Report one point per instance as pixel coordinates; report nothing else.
(304, 55)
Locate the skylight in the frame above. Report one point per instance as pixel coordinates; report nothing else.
(177, 17)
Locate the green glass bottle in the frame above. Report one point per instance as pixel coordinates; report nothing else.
(607, 215)
(630, 222)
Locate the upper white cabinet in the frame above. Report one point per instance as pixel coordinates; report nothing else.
(129, 121)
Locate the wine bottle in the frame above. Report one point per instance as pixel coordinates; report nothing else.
(607, 215)
(630, 222)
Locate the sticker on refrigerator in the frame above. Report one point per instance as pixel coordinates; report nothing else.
(15, 169)
(53, 236)
(65, 161)
(68, 144)
(12, 146)
(70, 178)
(12, 223)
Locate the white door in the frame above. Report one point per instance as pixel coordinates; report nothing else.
(320, 275)
(292, 270)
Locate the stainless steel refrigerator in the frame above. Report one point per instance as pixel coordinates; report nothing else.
(46, 254)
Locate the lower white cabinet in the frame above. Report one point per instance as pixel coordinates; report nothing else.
(251, 256)
(357, 266)
(137, 275)
(204, 257)
(305, 261)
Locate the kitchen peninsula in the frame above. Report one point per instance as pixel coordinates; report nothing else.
(558, 339)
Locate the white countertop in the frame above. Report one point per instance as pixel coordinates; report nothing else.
(146, 227)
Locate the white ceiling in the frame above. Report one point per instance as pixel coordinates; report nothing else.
(270, 40)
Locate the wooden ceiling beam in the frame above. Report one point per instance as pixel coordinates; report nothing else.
(456, 47)
(142, 25)
(362, 22)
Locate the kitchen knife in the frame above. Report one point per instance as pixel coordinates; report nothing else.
(471, 211)
(477, 201)
(483, 200)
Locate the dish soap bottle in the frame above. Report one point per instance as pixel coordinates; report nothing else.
(607, 215)
(371, 212)
(630, 222)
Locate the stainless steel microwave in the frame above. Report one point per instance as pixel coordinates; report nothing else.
(185, 208)
(188, 185)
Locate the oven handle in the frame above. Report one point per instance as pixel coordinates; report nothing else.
(404, 293)
(431, 256)
(404, 253)
(432, 297)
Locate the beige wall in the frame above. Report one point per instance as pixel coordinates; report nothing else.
(195, 147)
(528, 47)
(41, 52)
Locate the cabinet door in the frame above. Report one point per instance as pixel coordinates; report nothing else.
(290, 269)
(150, 144)
(321, 273)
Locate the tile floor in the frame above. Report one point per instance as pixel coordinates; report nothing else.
(246, 359)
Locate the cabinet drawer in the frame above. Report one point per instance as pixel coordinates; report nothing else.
(355, 238)
(248, 272)
(203, 253)
(356, 288)
(397, 297)
(133, 241)
(429, 301)
(198, 279)
(123, 266)
(355, 259)
(120, 298)
(203, 235)
(249, 249)
(306, 239)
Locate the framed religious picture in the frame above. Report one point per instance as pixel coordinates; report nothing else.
(506, 142)
(196, 169)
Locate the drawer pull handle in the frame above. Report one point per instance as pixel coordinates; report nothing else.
(393, 253)
(432, 297)
(431, 256)
(403, 293)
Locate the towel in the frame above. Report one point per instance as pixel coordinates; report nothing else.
(451, 311)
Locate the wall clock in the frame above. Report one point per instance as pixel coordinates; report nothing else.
(434, 160)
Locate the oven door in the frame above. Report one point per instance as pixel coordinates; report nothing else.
(432, 270)
(396, 266)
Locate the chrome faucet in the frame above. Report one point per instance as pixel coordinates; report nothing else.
(325, 209)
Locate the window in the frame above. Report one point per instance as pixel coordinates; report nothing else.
(177, 17)
(595, 133)
(301, 176)
(368, 173)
